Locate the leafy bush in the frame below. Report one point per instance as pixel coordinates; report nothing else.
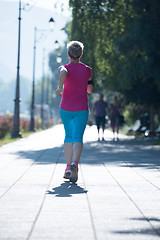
(6, 124)
(133, 112)
(5, 127)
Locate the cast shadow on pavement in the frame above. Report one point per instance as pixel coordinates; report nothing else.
(66, 189)
(155, 231)
(151, 219)
(43, 156)
(126, 153)
(144, 231)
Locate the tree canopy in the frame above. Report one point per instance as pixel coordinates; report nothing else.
(121, 39)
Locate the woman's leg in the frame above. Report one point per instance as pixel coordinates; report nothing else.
(117, 127)
(77, 150)
(117, 130)
(113, 129)
(79, 125)
(103, 127)
(68, 152)
(98, 126)
(66, 117)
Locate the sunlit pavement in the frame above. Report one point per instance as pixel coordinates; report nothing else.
(117, 196)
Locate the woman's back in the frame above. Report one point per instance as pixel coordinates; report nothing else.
(75, 87)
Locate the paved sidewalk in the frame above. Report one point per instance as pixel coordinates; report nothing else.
(117, 196)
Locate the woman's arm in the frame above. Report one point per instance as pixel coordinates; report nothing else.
(90, 86)
(63, 74)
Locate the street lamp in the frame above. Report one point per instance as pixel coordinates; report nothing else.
(33, 82)
(59, 59)
(16, 121)
(51, 23)
(32, 122)
(56, 44)
(16, 125)
(42, 89)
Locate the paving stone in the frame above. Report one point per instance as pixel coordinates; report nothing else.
(117, 196)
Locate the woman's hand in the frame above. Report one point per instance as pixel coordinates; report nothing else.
(59, 92)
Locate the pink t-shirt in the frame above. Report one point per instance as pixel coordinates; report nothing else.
(74, 96)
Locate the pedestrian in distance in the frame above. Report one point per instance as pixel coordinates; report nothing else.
(99, 110)
(115, 118)
(76, 78)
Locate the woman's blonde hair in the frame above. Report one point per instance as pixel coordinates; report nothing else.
(75, 49)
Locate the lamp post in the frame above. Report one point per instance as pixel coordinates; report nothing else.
(16, 121)
(59, 59)
(47, 94)
(42, 89)
(56, 45)
(33, 82)
(16, 124)
(32, 122)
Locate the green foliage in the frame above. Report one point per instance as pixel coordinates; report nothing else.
(4, 129)
(132, 112)
(121, 39)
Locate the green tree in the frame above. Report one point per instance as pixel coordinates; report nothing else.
(122, 41)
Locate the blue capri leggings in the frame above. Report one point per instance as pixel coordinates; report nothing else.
(74, 124)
